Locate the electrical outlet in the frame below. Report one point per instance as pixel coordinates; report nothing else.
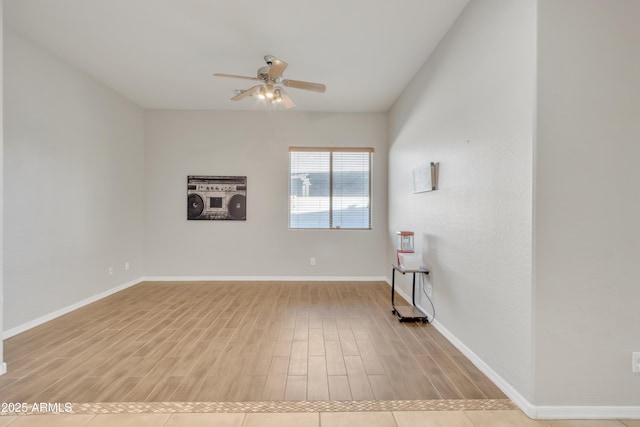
(429, 291)
(635, 358)
(312, 261)
(110, 271)
(127, 265)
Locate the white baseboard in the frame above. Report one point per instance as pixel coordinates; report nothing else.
(3, 368)
(532, 411)
(588, 412)
(524, 405)
(264, 279)
(40, 320)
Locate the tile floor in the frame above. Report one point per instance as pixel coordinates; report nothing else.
(510, 418)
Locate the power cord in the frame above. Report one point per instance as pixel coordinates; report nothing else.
(433, 308)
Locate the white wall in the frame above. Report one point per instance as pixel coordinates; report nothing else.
(254, 144)
(73, 196)
(587, 203)
(2, 365)
(470, 107)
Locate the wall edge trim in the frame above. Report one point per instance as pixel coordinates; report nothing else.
(532, 411)
(47, 317)
(587, 412)
(264, 278)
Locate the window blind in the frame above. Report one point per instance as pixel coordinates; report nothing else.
(330, 188)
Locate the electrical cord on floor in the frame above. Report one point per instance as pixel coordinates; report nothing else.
(422, 283)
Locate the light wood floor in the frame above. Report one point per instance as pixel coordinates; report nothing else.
(238, 341)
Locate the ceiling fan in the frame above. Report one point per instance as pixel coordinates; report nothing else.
(272, 86)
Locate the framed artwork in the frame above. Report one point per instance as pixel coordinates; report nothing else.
(216, 198)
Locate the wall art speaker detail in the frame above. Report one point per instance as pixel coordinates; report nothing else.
(216, 197)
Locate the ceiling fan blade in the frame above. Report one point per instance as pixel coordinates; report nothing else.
(246, 93)
(316, 87)
(287, 102)
(233, 76)
(277, 68)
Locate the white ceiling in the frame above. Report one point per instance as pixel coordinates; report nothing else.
(161, 54)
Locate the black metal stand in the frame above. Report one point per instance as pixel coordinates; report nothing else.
(407, 313)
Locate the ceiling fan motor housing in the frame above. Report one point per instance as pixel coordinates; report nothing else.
(263, 73)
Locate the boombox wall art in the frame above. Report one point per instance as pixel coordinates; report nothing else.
(217, 197)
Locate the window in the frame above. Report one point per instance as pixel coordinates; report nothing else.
(330, 188)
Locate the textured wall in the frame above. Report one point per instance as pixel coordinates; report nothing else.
(1, 183)
(470, 107)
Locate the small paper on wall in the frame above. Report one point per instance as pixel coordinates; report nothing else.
(425, 177)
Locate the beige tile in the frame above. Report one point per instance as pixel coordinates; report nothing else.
(4, 421)
(586, 423)
(282, 420)
(205, 420)
(129, 420)
(432, 419)
(352, 419)
(62, 420)
(503, 419)
(631, 423)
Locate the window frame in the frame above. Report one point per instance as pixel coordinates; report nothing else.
(332, 150)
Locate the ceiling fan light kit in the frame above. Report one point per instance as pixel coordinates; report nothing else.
(273, 84)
